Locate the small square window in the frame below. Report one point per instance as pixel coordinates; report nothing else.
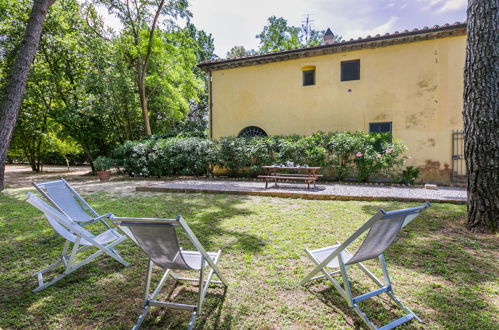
(380, 127)
(350, 70)
(308, 77)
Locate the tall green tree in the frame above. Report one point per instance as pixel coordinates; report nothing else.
(481, 115)
(71, 55)
(278, 35)
(196, 119)
(34, 126)
(239, 51)
(141, 19)
(36, 133)
(16, 83)
(171, 85)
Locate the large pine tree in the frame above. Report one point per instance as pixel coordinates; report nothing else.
(481, 115)
(16, 84)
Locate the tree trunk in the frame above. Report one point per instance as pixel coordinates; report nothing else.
(14, 89)
(481, 115)
(87, 153)
(143, 103)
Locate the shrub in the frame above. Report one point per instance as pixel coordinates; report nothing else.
(341, 152)
(135, 155)
(374, 153)
(103, 163)
(173, 156)
(234, 154)
(261, 151)
(409, 175)
(186, 156)
(341, 148)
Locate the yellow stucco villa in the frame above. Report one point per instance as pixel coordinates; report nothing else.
(409, 83)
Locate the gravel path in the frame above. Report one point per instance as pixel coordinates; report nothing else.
(19, 177)
(322, 191)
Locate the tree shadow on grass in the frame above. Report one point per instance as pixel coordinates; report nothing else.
(205, 214)
(103, 290)
(182, 293)
(380, 309)
(455, 270)
(444, 273)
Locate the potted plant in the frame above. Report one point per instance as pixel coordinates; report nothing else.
(102, 165)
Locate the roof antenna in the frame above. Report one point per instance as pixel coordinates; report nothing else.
(306, 27)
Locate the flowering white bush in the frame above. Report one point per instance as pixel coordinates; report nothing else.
(369, 154)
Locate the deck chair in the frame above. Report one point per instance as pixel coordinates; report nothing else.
(64, 198)
(81, 239)
(383, 229)
(158, 239)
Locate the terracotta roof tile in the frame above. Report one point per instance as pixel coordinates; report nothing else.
(369, 38)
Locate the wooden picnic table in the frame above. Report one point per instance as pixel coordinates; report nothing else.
(308, 174)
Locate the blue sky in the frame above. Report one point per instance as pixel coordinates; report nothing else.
(237, 22)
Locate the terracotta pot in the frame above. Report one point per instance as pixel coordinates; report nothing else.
(104, 175)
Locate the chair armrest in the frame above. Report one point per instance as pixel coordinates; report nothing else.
(124, 220)
(99, 218)
(107, 215)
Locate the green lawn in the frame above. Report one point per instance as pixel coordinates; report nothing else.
(445, 274)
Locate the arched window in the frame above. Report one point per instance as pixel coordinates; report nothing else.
(252, 131)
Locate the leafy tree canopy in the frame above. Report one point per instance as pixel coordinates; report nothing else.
(278, 35)
(83, 88)
(240, 51)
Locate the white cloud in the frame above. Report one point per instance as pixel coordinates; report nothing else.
(389, 26)
(451, 5)
(442, 6)
(390, 5)
(237, 22)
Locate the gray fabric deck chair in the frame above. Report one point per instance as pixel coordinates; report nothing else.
(81, 239)
(64, 198)
(158, 239)
(383, 229)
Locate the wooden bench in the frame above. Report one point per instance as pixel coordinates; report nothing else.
(293, 177)
(297, 175)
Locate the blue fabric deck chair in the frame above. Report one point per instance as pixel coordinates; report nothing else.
(64, 198)
(158, 239)
(81, 239)
(383, 229)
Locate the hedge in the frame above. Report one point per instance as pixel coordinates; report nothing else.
(341, 154)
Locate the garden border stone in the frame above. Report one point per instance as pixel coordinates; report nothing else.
(323, 192)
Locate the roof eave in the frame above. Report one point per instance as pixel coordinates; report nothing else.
(369, 42)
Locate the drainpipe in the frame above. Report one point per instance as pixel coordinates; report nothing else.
(210, 104)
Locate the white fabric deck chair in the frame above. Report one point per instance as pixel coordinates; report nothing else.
(64, 198)
(81, 239)
(158, 239)
(383, 229)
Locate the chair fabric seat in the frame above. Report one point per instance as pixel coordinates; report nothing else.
(60, 193)
(158, 239)
(193, 258)
(322, 254)
(382, 229)
(81, 239)
(103, 238)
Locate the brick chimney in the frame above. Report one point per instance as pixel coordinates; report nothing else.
(328, 37)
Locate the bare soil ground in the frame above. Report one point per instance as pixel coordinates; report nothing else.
(19, 177)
